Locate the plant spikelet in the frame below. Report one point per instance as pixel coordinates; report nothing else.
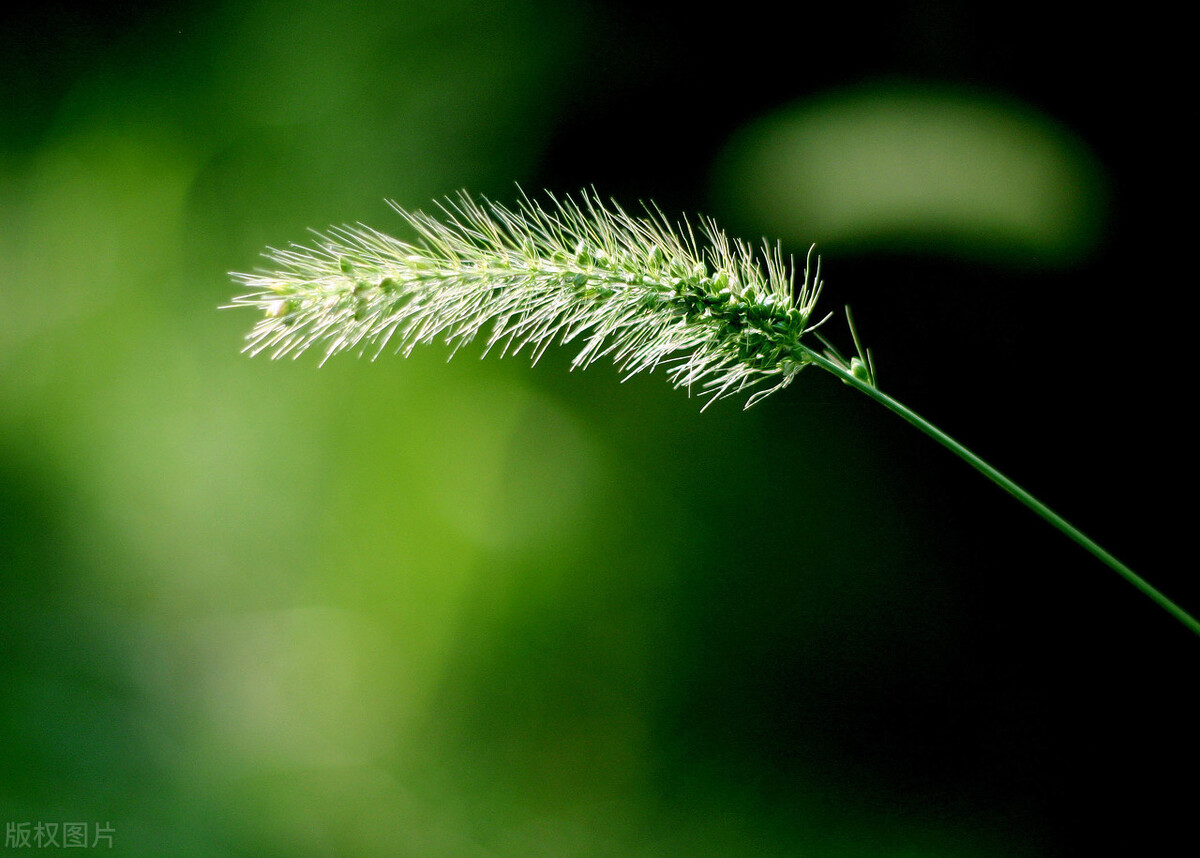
(719, 315)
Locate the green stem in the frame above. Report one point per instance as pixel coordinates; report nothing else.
(1005, 483)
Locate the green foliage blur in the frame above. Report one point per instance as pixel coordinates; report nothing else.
(474, 608)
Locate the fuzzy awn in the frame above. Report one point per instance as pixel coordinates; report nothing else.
(722, 316)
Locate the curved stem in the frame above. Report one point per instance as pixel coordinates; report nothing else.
(1005, 483)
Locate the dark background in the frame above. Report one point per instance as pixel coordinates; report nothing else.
(427, 609)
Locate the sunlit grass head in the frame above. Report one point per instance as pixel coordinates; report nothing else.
(721, 315)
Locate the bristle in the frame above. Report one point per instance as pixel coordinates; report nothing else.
(722, 317)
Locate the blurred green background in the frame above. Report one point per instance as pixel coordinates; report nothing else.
(422, 608)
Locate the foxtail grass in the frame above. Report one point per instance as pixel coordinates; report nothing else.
(720, 316)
